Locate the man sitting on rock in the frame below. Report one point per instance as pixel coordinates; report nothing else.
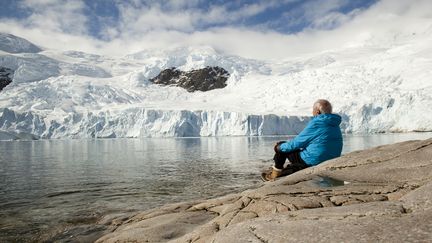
(321, 140)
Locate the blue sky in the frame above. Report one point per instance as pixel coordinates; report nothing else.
(263, 29)
(290, 16)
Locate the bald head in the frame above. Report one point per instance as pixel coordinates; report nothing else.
(322, 107)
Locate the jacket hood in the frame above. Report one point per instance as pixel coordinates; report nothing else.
(330, 119)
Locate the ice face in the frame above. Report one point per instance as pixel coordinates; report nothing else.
(382, 88)
(139, 122)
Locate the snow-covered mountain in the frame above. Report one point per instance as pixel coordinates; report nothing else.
(14, 44)
(375, 86)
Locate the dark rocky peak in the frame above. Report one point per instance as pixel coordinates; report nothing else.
(6, 75)
(204, 79)
(167, 76)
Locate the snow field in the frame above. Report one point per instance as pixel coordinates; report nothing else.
(375, 87)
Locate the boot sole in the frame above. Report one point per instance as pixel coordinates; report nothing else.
(263, 177)
(285, 172)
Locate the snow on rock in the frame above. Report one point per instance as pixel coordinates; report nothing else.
(14, 44)
(83, 70)
(194, 58)
(140, 122)
(378, 87)
(56, 95)
(31, 67)
(399, 112)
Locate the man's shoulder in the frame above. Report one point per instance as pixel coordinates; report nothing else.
(327, 119)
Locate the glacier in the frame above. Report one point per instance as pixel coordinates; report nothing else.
(375, 86)
(140, 122)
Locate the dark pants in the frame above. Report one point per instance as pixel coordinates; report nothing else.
(296, 162)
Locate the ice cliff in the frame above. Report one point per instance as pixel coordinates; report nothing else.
(374, 86)
(140, 122)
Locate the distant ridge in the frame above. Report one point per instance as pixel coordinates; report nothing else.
(14, 44)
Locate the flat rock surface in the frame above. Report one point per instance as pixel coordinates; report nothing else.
(381, 194)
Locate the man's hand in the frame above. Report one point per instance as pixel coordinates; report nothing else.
(276, 147)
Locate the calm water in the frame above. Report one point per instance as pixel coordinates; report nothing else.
(48, 187)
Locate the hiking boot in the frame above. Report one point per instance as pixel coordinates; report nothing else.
(272, 175)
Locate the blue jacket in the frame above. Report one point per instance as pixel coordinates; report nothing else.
(321, 140)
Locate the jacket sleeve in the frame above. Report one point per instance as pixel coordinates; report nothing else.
(301, 140)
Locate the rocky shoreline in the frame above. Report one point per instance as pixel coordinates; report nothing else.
(383, 194)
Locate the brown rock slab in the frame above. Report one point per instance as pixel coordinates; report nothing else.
(375, 195)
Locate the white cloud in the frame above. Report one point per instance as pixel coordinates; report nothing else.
(56, 15)
(313, 10)
(333, 19)
(51, 39)
(57, 24)
(143, 26)
(146, 19)
(182, 4)
(182, 15)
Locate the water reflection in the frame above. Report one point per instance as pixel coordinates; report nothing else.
(54, 184)
(328, 182)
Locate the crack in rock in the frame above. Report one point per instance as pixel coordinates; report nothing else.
(277, 202)
(231, 219)
(252, 231)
